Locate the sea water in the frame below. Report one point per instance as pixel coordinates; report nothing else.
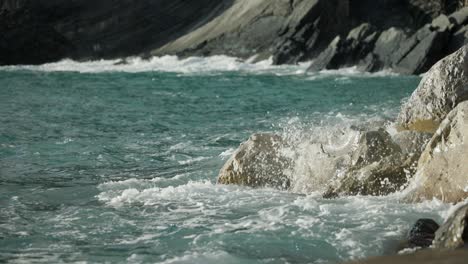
(116, 161)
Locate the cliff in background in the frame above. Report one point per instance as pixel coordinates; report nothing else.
(405, 35)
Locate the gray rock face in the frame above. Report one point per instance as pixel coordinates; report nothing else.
(257, 163)
(349, 51)
(422, 50)
(454, 232)
(460, 17)
(325, 59)
(443, 168)
(389, 44)
(336, 33)
(441, 89)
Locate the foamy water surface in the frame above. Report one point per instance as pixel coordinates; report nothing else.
(112, 161)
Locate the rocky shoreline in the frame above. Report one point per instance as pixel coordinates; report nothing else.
(406, 36)
(425, 159)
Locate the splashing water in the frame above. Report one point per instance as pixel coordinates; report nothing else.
(117, 162)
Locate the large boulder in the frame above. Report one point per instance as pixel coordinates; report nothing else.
(258, 162)
(454, 232)
(442, 88)
(378, 167)
(443, 167)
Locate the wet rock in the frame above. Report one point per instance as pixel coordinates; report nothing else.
(258, 162)
(422, 233)
(454, 232)
(441, 89)
(373, 146)
(378, 167)
(443, 168)
(412, 143)
(34, 32)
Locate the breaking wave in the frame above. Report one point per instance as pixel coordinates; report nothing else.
(190, 65)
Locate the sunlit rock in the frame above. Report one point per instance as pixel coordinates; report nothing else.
(443, 87)
(378, 167)
(257, 163)
(454, 232)
(443, 167)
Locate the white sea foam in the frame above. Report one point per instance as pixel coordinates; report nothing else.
(165, 64)
(190, 65)
(354, 227)
(205, 257)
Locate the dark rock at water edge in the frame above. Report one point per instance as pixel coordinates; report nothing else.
(405, 35)
(422, 233)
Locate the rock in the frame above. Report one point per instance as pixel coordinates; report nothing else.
(376, 179)
(412, 143)
(388, 45)
(373, 146)
(299, 34)
(422, 233)
(378, 167)
(39, 31)
(325, 59)
(454, 232)
(460, 17)
(349, 51)
(421, 51)
(442, 24)
(289, 31)
(257, 163)
(441, 89)
(443, 168)
(458, 39)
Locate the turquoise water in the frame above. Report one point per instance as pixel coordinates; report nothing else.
(120, 165)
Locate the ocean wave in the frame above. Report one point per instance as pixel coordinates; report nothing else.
(337, 225)
(190, 65)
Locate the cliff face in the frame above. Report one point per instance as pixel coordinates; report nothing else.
(372, 34)
(37, 31)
